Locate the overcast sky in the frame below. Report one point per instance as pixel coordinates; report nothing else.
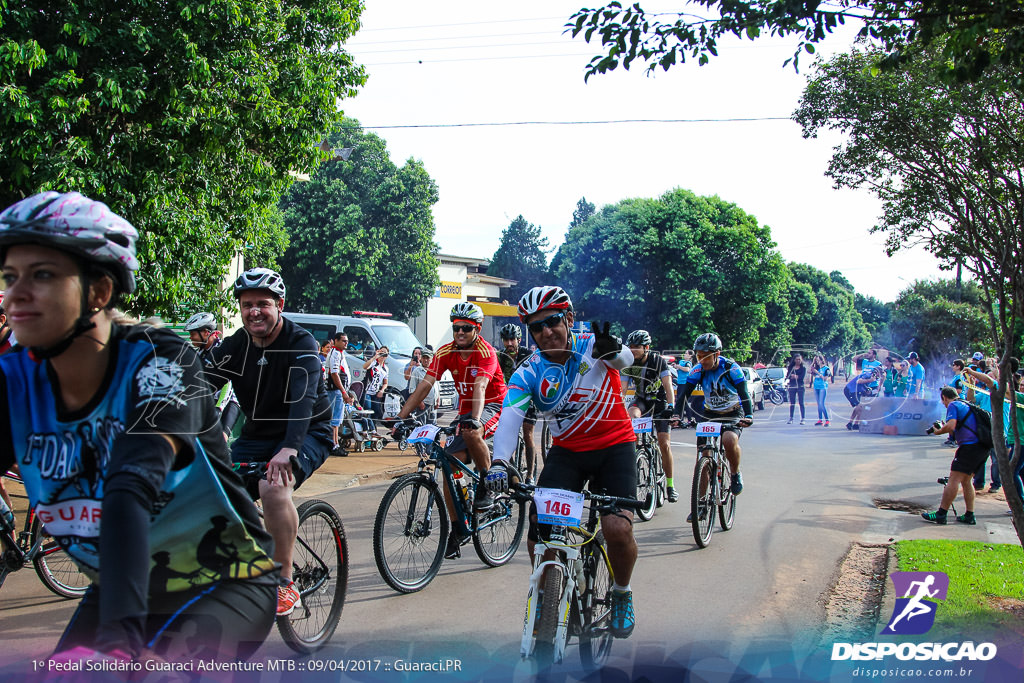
(461, 62)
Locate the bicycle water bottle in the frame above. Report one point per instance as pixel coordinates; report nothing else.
(6, 516)
(463, 487)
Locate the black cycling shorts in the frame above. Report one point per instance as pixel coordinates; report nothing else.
(488, 417)
(226, 621)
(313, 453)
(611, 471)
(647, 409)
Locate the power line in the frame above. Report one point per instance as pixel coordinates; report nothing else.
(569, 123)
(466, 23)
(454, 47)
(356, 44)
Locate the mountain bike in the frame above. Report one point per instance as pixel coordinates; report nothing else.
(33, 546)
(651, 483)
(576, 583)
(711, 487)
(410, 532)
(319, 570)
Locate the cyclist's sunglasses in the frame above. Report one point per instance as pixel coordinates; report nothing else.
(463, 328)
(538, 326)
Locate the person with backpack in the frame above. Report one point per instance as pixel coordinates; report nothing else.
(972, 428)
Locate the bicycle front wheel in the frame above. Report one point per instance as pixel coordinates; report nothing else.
(547, 623)
(498, 531)
(702, 503)
(727, 501)
(55, 568)
(596, 639)
(320, 572)
(646, 485)
(777, 396)
(410, 533)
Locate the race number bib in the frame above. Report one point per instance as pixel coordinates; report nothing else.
(643, 425)
(424, 434)
(709, 429)
(555, 506)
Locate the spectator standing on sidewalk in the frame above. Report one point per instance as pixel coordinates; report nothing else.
(376, 367)
(821, 372)
(425, 410)
(337, 388)
(969, 456)
(983, 397)
(915, 388)
(414, 362)
(796, 372)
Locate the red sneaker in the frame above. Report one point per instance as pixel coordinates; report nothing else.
(287, 599)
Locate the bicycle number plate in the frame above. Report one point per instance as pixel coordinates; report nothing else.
(643, 425)
(555, 506)
(424, 434)
(709, 429)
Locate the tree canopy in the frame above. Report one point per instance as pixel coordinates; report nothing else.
(972, 35)
(361, 232)
(940, 322)
(676, 266)
(521, 256)
(185, 118)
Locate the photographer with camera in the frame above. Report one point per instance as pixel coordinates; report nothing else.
(969, 456)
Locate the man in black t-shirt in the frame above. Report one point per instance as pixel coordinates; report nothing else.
(274, 366)
(509, 359)
(653, 395)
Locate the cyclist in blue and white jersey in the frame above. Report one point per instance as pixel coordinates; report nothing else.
(725, 396)
(574, 383)
(119, 447)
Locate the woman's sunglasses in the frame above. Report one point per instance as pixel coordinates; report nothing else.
(549, 322)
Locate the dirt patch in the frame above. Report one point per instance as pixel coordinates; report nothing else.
(898, 505)
(853, 602)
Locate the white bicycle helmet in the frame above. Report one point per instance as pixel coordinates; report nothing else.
(201, 321)
(542, 298)
(465, 310)
(74, 223)
(260, 278)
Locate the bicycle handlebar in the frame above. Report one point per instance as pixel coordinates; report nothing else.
(524, 493)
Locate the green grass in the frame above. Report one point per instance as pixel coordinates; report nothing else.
(977, 572)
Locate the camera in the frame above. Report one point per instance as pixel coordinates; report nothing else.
(935, 425)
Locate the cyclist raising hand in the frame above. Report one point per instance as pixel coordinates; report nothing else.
(115, 422)
(574, 381)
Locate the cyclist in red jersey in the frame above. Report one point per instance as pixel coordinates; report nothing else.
(481, 388)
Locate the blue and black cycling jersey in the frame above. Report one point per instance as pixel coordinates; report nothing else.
(725, 387)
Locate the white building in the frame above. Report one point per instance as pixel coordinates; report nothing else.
(462, 280)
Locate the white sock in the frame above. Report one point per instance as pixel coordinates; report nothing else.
(621, 589)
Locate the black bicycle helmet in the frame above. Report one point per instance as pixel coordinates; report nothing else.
(709, 341)
(511, 331)
(638, 338)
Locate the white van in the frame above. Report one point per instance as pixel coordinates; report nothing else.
(366, 335)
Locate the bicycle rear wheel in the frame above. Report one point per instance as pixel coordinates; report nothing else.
(727, 504)
(320, 572)
(547, 622)
(55, 568)
(410, 533)
(702, 505)
(596, 640)
(545, 441)
(646, 485)
(498, 530)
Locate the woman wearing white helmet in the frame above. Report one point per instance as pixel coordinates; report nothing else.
(139, 447)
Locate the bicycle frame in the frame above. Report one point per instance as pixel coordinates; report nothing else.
(572, 569)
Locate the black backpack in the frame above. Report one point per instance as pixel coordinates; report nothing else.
(982, 423)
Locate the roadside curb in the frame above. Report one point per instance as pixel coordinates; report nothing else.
(384, 475)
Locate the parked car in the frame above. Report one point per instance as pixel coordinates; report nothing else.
(755, 387)
(366, 334)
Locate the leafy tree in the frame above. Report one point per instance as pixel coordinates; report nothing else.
(971, 34)
(676, 266)
(361, 232)
(945, 159)
(873, 312)
(183, 117)
(835, 326)
(795, 302)
(520, 257)
(584, 210)
(927, 318)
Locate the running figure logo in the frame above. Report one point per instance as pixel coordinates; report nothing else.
(914, 613)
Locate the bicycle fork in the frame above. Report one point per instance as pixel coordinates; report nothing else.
(568, 589)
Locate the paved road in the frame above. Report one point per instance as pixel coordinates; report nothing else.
(756, 590)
